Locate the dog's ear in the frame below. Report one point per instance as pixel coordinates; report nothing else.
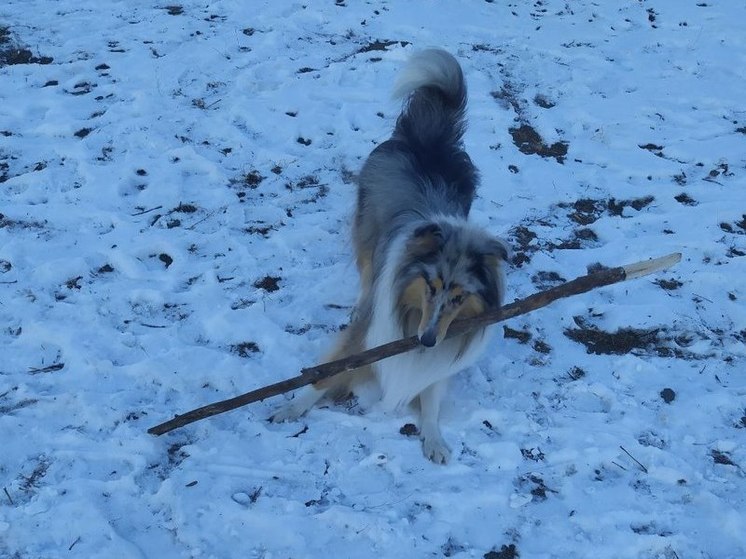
(427, 239)
(495, 251)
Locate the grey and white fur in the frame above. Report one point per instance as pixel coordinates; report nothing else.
(421, 263)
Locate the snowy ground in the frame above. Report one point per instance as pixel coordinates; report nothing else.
(176, 184)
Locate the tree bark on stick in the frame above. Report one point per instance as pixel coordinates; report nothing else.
(314, 374)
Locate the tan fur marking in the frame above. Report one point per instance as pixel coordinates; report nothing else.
(445, 321)
(416, 297)
(437, 284)
(415, 294)
(339, 386)
(424, 244)
(491, 261)
(456, 291)
(365, 268)
(473, 306)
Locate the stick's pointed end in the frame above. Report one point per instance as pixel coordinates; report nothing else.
(640, 269)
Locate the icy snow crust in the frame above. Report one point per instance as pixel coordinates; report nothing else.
(176, 186)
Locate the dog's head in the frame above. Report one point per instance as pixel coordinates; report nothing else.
(448, 270)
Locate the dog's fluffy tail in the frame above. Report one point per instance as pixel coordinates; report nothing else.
(433, 84)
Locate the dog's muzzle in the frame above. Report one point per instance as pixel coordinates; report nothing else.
(428, 338)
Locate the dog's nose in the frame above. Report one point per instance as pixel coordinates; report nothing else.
(428, 339)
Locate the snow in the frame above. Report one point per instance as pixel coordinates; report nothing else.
(172, 159)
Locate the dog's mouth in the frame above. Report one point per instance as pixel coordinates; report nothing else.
(440, 311)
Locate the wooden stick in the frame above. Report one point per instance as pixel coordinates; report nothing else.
(314, 374)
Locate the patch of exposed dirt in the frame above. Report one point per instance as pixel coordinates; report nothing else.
(12, 52)
(268, 283)
(522, 336)
(583, 212)
(723, 458)
(544, 280)
(685, 199)
(620, 342)
(525, 243)
(668, 284)
(529, 142)
(661, 341)
(506, 552)
(525, 137)
(245, 349)
(536, 485)
(736, 228)
(380, 46)
(32, 481)
(587, 210)
(174, 10)
(667, 395)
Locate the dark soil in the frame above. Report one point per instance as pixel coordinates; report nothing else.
(586, 210)
(166, 259)
(544, 280)
(11, 52)
(668, 284)
(661, 341)
(581, 238)
(185, 208)
(685, 199)
(245, 349)
(722, 458)
(522, 336)
(528, 141)
(378, 46)
(506, 552)
(32, 481)
(268, 283)
(533, 454)
(409, 430)
(83, 132)
(621, 342)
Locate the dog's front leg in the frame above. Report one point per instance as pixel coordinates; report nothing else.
(433, 445)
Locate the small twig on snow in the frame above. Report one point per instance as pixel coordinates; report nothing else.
(48, 369)
(143, 212)
(644, 469)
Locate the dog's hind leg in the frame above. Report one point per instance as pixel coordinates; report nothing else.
(303, 401)
(433, 444)
(365, 268)
(336, 386)
(307, 396)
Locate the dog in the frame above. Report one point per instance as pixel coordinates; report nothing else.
(421, 263)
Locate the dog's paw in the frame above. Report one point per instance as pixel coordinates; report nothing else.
(288, 413)
(435, 448)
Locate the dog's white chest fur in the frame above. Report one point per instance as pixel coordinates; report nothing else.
(402, 377)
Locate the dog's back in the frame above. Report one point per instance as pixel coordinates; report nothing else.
(422, 171)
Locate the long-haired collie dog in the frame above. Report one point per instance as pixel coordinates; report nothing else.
(421, 263)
